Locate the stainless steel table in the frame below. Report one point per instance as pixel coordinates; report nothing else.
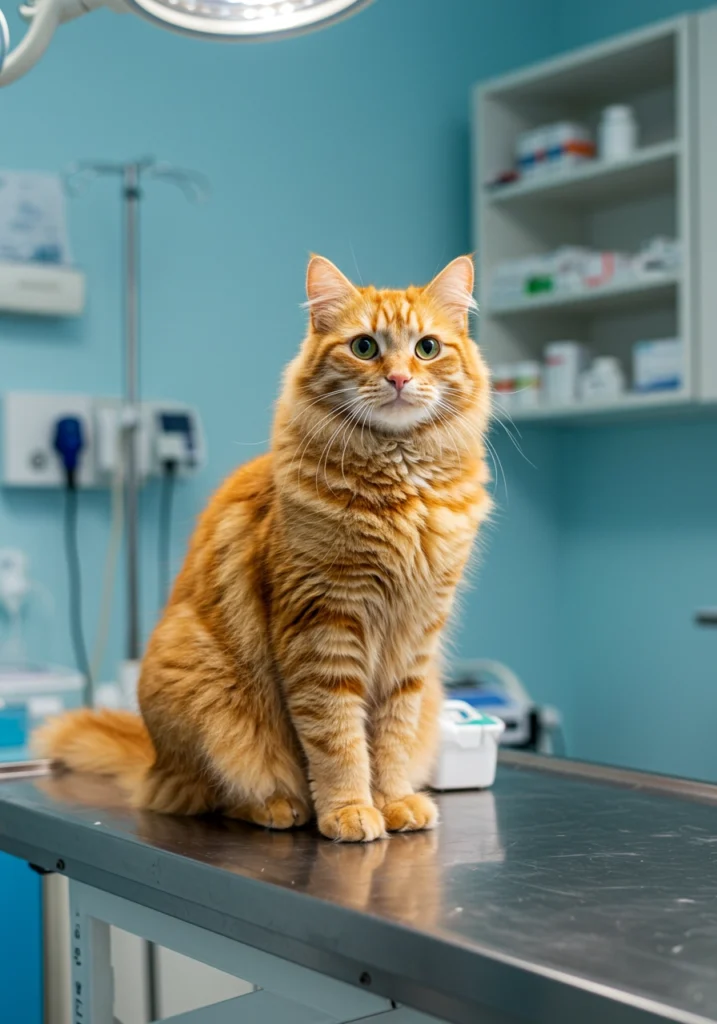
(570, 895)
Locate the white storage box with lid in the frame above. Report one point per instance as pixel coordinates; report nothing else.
(468, 753)
(29, 695)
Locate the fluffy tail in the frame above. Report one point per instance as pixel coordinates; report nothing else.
(105, 742)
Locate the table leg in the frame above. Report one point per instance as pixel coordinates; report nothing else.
(92, 983)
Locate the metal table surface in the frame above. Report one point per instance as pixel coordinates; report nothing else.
(551, 898)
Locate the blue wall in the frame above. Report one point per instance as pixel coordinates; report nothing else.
(638, 554)
(20, 943)
(611, 548)
(511, 611)
(384, 191)
(352, 142)
(583, 23)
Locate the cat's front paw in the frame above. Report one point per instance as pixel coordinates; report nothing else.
(357, 823)
(410, 814)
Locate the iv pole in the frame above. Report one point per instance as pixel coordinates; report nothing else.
(196, 189)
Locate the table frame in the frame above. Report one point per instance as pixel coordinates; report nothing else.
(284, 993)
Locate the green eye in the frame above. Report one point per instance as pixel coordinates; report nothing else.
(427, 348)
(364, 347)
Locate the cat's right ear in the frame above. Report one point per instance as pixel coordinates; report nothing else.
(327, 292)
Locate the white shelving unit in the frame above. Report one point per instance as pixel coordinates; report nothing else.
(651, 167)
(607, 207)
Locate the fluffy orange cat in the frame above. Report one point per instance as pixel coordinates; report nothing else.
(295, 670)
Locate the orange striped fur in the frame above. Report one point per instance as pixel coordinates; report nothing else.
(295, 670)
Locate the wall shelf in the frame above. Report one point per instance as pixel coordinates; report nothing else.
(634, 295)
(650, 170)
(629, 404)
(41, 289)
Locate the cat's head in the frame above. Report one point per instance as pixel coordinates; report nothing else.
(393, 361)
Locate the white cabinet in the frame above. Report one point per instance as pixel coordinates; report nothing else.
(668, 75)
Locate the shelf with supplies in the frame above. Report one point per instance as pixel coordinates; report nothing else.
(629, 405)
(651, 169)
(622, 295)
(594, 220)
(41, 289)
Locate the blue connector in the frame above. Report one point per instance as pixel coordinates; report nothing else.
(68, 442)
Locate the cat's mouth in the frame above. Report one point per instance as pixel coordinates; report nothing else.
(399, 402)
(401, 412)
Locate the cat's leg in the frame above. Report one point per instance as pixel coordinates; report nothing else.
(251, 747)
(404, 730)
(219, 724)
(322, 661)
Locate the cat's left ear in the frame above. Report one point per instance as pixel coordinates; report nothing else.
(327, 292)
(453, 290)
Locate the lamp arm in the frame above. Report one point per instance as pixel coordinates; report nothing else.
(44, 17)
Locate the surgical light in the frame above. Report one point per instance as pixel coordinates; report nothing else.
(232, 20)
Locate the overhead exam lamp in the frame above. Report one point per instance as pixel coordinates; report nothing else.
(231, 20)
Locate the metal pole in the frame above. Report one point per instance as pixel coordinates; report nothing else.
(195, 188)
(131, 195)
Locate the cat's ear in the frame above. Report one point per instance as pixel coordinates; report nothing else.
(327, 292)
(453, 290)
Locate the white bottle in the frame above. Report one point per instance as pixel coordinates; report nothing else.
(564, 362)
(617, 134)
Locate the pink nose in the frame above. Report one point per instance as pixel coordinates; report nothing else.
(399, 380)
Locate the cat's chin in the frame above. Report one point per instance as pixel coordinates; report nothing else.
(400, 417)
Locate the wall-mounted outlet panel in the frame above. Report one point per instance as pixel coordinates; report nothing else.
(28, 424)
(28, 427)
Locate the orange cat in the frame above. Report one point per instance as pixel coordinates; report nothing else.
(296, 667)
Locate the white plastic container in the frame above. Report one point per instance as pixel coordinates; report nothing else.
(603, 381)
(469, 748)
(28, 696)
(658, 365)
(607, 268)
(658, 256)
(569, 145)
(552, 149)
(530, 152)
(564, 362)
(617, 133)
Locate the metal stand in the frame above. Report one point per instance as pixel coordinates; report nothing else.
(195, 188)
(131, 196)
(285, 993)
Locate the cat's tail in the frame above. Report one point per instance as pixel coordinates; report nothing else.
(106, 742)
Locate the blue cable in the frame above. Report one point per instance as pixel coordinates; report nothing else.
(69, 443)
